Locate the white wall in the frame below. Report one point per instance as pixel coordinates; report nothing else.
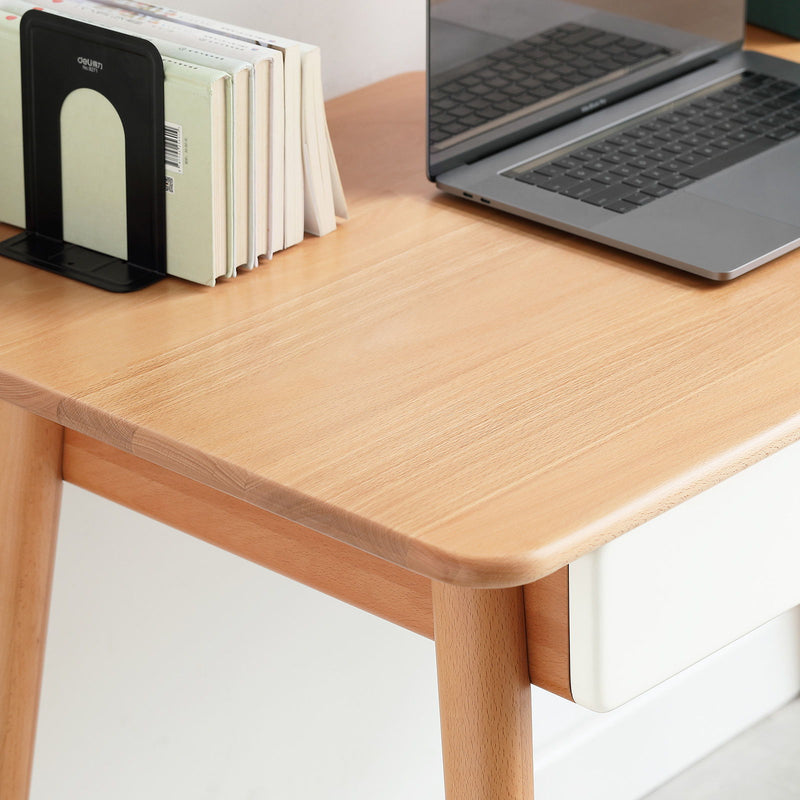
(362, 41)
(177, 672)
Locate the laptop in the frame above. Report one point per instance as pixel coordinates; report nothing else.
(641, 124)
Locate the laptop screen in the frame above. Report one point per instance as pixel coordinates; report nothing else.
(502, 70)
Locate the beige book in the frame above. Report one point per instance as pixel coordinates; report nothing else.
(12, 174)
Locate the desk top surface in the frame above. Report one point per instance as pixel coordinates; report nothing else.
(472, 396)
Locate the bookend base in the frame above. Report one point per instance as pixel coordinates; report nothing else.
(79, 263)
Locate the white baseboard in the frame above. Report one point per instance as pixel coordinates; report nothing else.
(629, 752)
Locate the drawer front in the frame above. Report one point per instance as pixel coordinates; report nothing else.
(685, 584)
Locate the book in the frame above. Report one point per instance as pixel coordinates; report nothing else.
(197, 159)
(195, 164)
(12, 173)
(303, 74)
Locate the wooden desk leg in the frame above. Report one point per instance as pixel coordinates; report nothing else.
(30, 497)
(484, 693)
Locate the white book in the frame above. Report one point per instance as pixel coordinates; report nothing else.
(327, 197)
(196, 164)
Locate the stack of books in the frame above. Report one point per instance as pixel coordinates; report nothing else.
(249, 165)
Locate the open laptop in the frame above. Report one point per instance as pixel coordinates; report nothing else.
(636, 123)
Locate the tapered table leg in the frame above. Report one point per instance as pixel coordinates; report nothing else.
(30, 498)
(484, 693)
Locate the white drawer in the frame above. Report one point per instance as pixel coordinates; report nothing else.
(683, 585)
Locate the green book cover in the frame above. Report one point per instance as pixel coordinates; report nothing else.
(782, 16)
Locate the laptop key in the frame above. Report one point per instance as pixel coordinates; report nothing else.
(606, 178)
(633, 150)
(568, 163)
(623, 171)
(581, 190)
(676, 147)
(608, 195)
(581, 174)
(657, 190)
(782, 134)
(558, 184)
(729, 157)
(742, 136)
(548, 170)
(639, 199)
(676, 181)
(489, 113)
(637, 182)
(534, 178)
(620, 206)
(708, 152)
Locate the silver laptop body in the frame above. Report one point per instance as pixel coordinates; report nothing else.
(520, 89)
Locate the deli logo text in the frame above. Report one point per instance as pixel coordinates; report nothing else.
(90, 64)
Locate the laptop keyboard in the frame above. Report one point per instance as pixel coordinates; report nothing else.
(531, 72)
(665, 151)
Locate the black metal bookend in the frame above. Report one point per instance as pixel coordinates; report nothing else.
(58, 56)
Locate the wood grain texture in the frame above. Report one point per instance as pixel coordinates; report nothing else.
(326, 564)
(484, 693)
(547, 624)
(336, 569)
(468, 395)
(30, 497)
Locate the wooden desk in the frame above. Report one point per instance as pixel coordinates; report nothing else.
(428, 414)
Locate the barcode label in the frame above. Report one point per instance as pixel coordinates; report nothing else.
(173, 147)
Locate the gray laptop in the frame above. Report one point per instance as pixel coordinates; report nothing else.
(636, 123)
